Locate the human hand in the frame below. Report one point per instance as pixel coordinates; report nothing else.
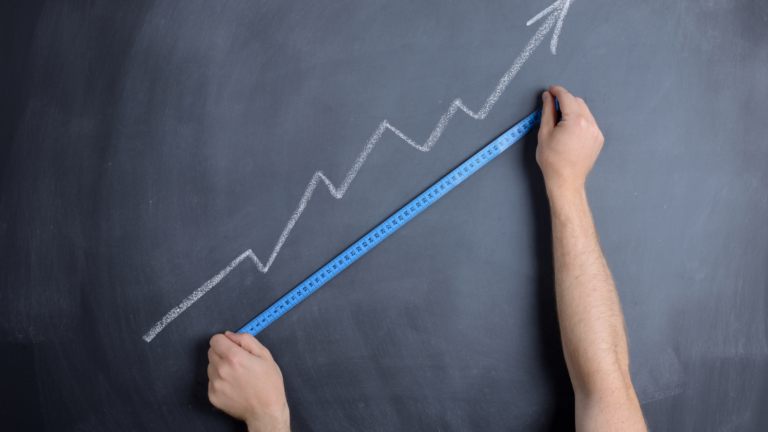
(246, 383)
(567, 149)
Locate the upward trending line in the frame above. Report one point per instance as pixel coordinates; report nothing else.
(558, 11)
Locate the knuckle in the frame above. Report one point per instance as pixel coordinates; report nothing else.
(257, 348)
(235, 361)
(223, 371)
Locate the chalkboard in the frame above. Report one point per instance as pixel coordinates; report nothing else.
(148, 144)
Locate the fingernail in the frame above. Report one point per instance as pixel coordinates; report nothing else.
(544, 96)
(228, 332)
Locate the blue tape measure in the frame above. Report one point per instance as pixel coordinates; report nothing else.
(400, 218)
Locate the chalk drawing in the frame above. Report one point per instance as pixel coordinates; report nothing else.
(557, 10)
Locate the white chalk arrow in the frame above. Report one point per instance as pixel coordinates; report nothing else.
(556, 11)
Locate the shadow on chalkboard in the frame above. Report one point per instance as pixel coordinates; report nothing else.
(563, 416)
(20, 406)
(199, 392)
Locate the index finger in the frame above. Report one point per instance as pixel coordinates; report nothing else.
(249, 343)
(222, 346)
(568, 104)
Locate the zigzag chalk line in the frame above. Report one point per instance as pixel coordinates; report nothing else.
(560, 8)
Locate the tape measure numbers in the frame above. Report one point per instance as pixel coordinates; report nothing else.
(400, 218)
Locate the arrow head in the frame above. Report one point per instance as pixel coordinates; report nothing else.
(558, 9)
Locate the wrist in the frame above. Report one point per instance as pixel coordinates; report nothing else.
(565, 193)
(278, 420)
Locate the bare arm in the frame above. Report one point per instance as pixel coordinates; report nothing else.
(591, 321)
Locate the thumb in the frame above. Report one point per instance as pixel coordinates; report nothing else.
(548, 114)
(248, 343)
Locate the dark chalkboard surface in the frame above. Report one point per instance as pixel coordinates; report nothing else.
(145, 145)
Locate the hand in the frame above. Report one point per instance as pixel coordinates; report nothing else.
(246, 383)
(567, 150)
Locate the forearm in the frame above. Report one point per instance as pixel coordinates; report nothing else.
(591, 321)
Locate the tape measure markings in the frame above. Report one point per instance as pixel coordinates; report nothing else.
(391, 224)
